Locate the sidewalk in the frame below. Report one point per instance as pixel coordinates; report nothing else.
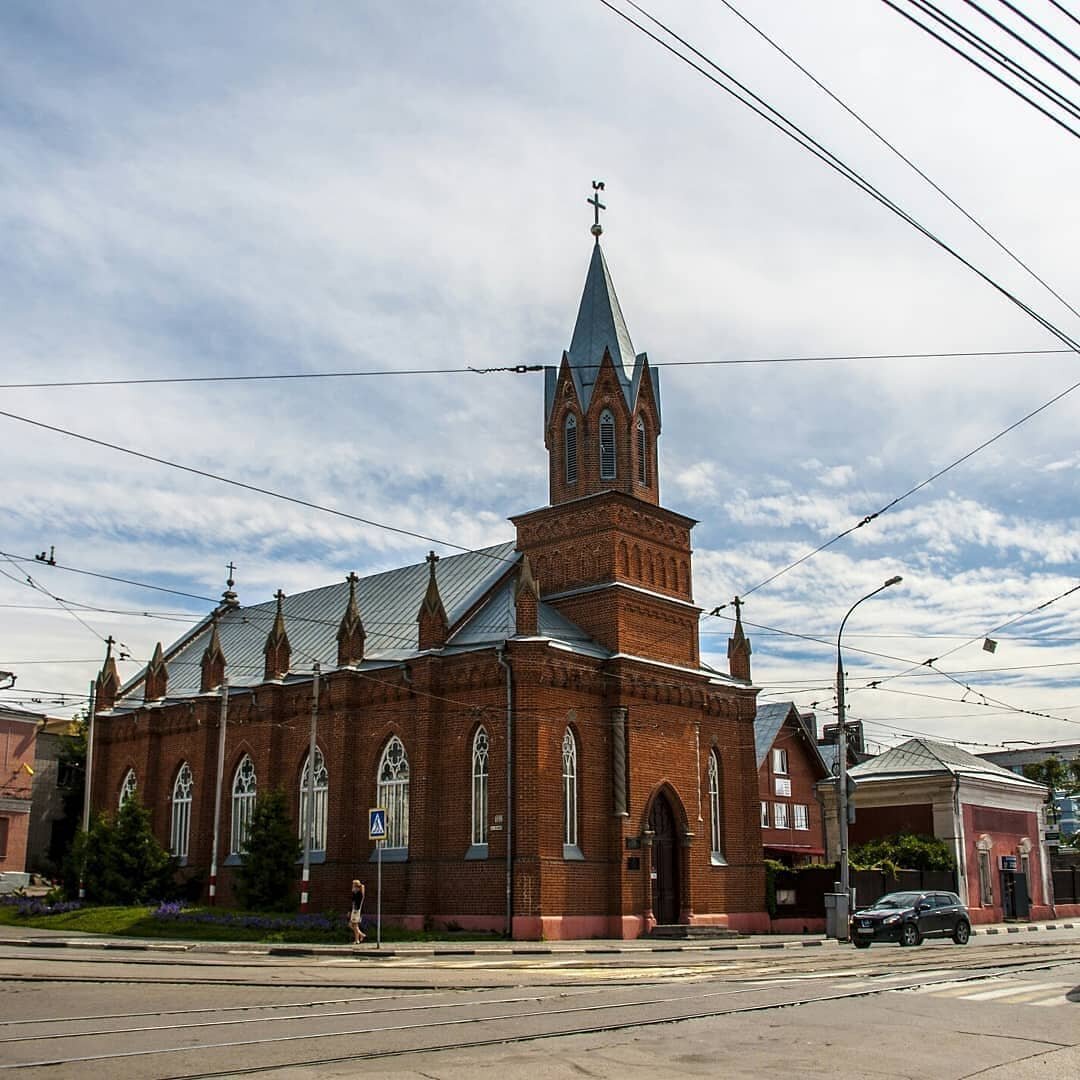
(28, 936)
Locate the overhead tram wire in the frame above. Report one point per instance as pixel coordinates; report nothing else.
(985, 70)
(521, 369)
(1038, 26)
(998, 56)
(294, 500)
(903, 157)
(1064, 10)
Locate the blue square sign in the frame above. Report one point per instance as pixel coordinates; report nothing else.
(377, 824)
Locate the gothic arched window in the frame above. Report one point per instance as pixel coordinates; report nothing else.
(243, 804)
(715, 821)
(570, 790)
(570, 440)
(128, 787)
(180, 832)
(322, 787)
(480, 787)
(642, 453)
(607, 445)
(393, 793)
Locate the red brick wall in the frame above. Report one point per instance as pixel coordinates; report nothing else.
(804, 770)
(17, 743)
(872, 822)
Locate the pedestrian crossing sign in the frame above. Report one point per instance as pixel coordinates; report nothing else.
(377, 824)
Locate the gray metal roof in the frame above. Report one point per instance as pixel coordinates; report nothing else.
(600, 324)
(768, 721)
(388, 603)
(925, 757)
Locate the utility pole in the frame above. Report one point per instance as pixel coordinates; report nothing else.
(309, 816)
(222, 720)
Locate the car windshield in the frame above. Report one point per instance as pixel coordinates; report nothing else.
(896, 900)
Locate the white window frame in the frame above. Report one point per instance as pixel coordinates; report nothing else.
(392, 783)
(322, 793)
(781, 818)
(569, 790)
(716, 851)
(800, 813)
(480, 750)
(780, 761)
(608, 458)
(180, 828)
(128, 788)
(764, 814)
(986, 880)
(245, 787)
(570, 447)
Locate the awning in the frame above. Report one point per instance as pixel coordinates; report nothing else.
(795, 849)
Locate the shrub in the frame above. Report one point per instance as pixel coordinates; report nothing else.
(267, 878)
(903, 852)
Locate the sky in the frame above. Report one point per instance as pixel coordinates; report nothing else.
(204, 190)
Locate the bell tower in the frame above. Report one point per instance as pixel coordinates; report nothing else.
(604, 552)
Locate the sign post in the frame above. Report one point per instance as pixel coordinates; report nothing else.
(377, 832)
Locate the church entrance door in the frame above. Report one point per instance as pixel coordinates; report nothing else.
(665, 862)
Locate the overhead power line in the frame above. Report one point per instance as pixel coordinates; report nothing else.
(727, 362)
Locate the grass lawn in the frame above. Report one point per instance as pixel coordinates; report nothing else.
(140, 922)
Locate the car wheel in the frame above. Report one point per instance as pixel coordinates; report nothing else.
(910, 935)
(860, 944)
(962, 934)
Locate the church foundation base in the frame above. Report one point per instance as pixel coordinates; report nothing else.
(578, 927)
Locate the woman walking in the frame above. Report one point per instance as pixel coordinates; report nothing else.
(357, 909)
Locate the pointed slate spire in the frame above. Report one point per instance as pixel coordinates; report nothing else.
(738, 649)
(157, 676)
(434, 626)
(213, 661)
(350, 635)
(600, 325)
(108, 680)
(527, 601)
(277, 649)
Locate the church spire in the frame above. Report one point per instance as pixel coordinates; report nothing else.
(350, 635)
(212, 674)
(434, 626)
(277, 649)
(738, 649)
(157, 676)
(108, 681)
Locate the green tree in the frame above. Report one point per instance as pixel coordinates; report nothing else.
(121, 860)
(71, 780)
(1061, 776)
(266, 881)
(904, 851)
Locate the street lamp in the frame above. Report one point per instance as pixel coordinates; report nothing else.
(841, 757)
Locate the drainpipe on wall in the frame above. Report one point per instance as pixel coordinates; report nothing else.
(958, 844)
(500, 655)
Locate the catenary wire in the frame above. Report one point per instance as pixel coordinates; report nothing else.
(1024, 41)
(903, 157)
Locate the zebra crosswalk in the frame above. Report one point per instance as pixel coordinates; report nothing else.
(1041, 994)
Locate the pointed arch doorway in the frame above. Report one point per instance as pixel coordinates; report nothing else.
(665, 861)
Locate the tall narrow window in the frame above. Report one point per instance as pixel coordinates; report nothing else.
(128, 787)
(570, 434)
(480, 787)
(986, 888)
(642, 453)
(243, 805)
(607, 445)
(716, 852)
(393, 793)
(180, 832)
(321, 789)
(569, 794)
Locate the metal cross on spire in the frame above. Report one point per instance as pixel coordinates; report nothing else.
(597, 205)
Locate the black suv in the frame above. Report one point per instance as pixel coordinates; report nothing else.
(908, 917)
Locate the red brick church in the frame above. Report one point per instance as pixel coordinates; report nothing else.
(554, 759)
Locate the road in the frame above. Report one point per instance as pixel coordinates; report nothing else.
(1005, 1006)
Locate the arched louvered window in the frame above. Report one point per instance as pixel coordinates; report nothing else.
(715, 822)
(180, 832)
(321, 789)
(480, 787)
(642, 453)
(570, 790)
(570, 440)
(128, 787)
(393, 793)
(243, 805)
(607, 445)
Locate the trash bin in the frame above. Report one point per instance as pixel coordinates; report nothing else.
(836, 915)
